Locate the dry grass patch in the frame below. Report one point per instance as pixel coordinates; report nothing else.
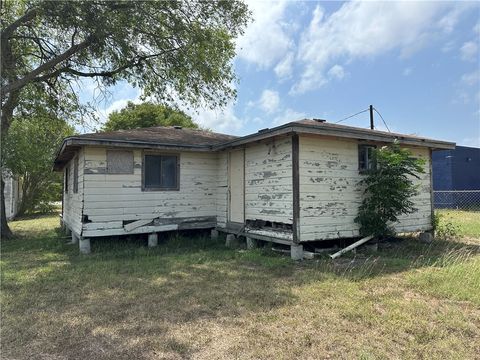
(191, 298)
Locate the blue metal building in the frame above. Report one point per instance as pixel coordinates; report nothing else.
(458, 170)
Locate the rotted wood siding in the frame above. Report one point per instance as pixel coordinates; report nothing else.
(73, 201)
(268, 180)
(330, 195)
(112, 201)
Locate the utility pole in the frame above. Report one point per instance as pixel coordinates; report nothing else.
(371, 118)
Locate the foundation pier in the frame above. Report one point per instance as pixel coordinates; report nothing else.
(152, 240)
(296, 252)
(84, 245)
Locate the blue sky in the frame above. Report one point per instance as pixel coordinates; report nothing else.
(418, 63)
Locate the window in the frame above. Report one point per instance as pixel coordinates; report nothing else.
(66, 179)
(75, 175)
(160, 172)
(365, 157)
(119, 162)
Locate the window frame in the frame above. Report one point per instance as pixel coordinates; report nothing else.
(367, 168)
(75, 175)
(156, 153)
(119, 173)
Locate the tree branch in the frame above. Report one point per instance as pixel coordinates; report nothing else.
(20, 83)
(29, 15)
(107, 73)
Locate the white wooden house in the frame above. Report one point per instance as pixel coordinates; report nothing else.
(290, 184)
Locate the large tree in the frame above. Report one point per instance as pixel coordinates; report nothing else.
(172, 50)
(145, 115)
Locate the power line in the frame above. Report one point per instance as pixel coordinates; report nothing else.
(384, 123)
(348, 117)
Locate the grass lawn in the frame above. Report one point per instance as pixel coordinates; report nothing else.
(468, 222)
(192, 298)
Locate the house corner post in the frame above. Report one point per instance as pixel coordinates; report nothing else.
(432, 195)
(296, 188)
(296, 250)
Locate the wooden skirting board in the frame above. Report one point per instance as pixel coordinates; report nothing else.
(150, 226)
(257, 236)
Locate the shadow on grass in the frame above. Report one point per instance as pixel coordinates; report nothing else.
(124, 298)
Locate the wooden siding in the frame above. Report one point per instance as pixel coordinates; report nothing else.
(330, 196)
(268, 180)
(73, 202)
(222, 189)
(113, 200)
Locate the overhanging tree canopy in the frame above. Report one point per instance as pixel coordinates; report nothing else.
(172, 50)
(164, 47)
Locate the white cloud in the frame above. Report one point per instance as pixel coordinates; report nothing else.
(448, 22)
(469, 51)
(461, 97)
(118, 104)
(266, 39)
(269, 101)
(449, 46)
(407, 71)
(220, 120)
(336, 71)
(472, 78)
(284, 68)
(365, 30)
(476, 28)
(288, 115)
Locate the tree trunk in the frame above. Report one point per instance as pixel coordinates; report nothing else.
(26, 200)
(5, 231)
(6, 116)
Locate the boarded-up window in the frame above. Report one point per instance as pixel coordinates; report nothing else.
(66, 178)
(160, 172)
(75, 175)
(119, 162)
(365, 157)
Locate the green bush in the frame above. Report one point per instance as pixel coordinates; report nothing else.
(444, 228)
(388, 190)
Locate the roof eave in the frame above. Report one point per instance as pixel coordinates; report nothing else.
(78, 141)
(359, 134)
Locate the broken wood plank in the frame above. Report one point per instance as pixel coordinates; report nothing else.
(136, 224)
(196, 225)
(351, 247)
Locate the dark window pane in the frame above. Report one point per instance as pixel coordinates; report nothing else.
(370, 164)
(169, 171)
(160, 172)
(153, 171)
(362, 158)
(365, 157)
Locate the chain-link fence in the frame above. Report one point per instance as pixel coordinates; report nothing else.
(457, 199)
